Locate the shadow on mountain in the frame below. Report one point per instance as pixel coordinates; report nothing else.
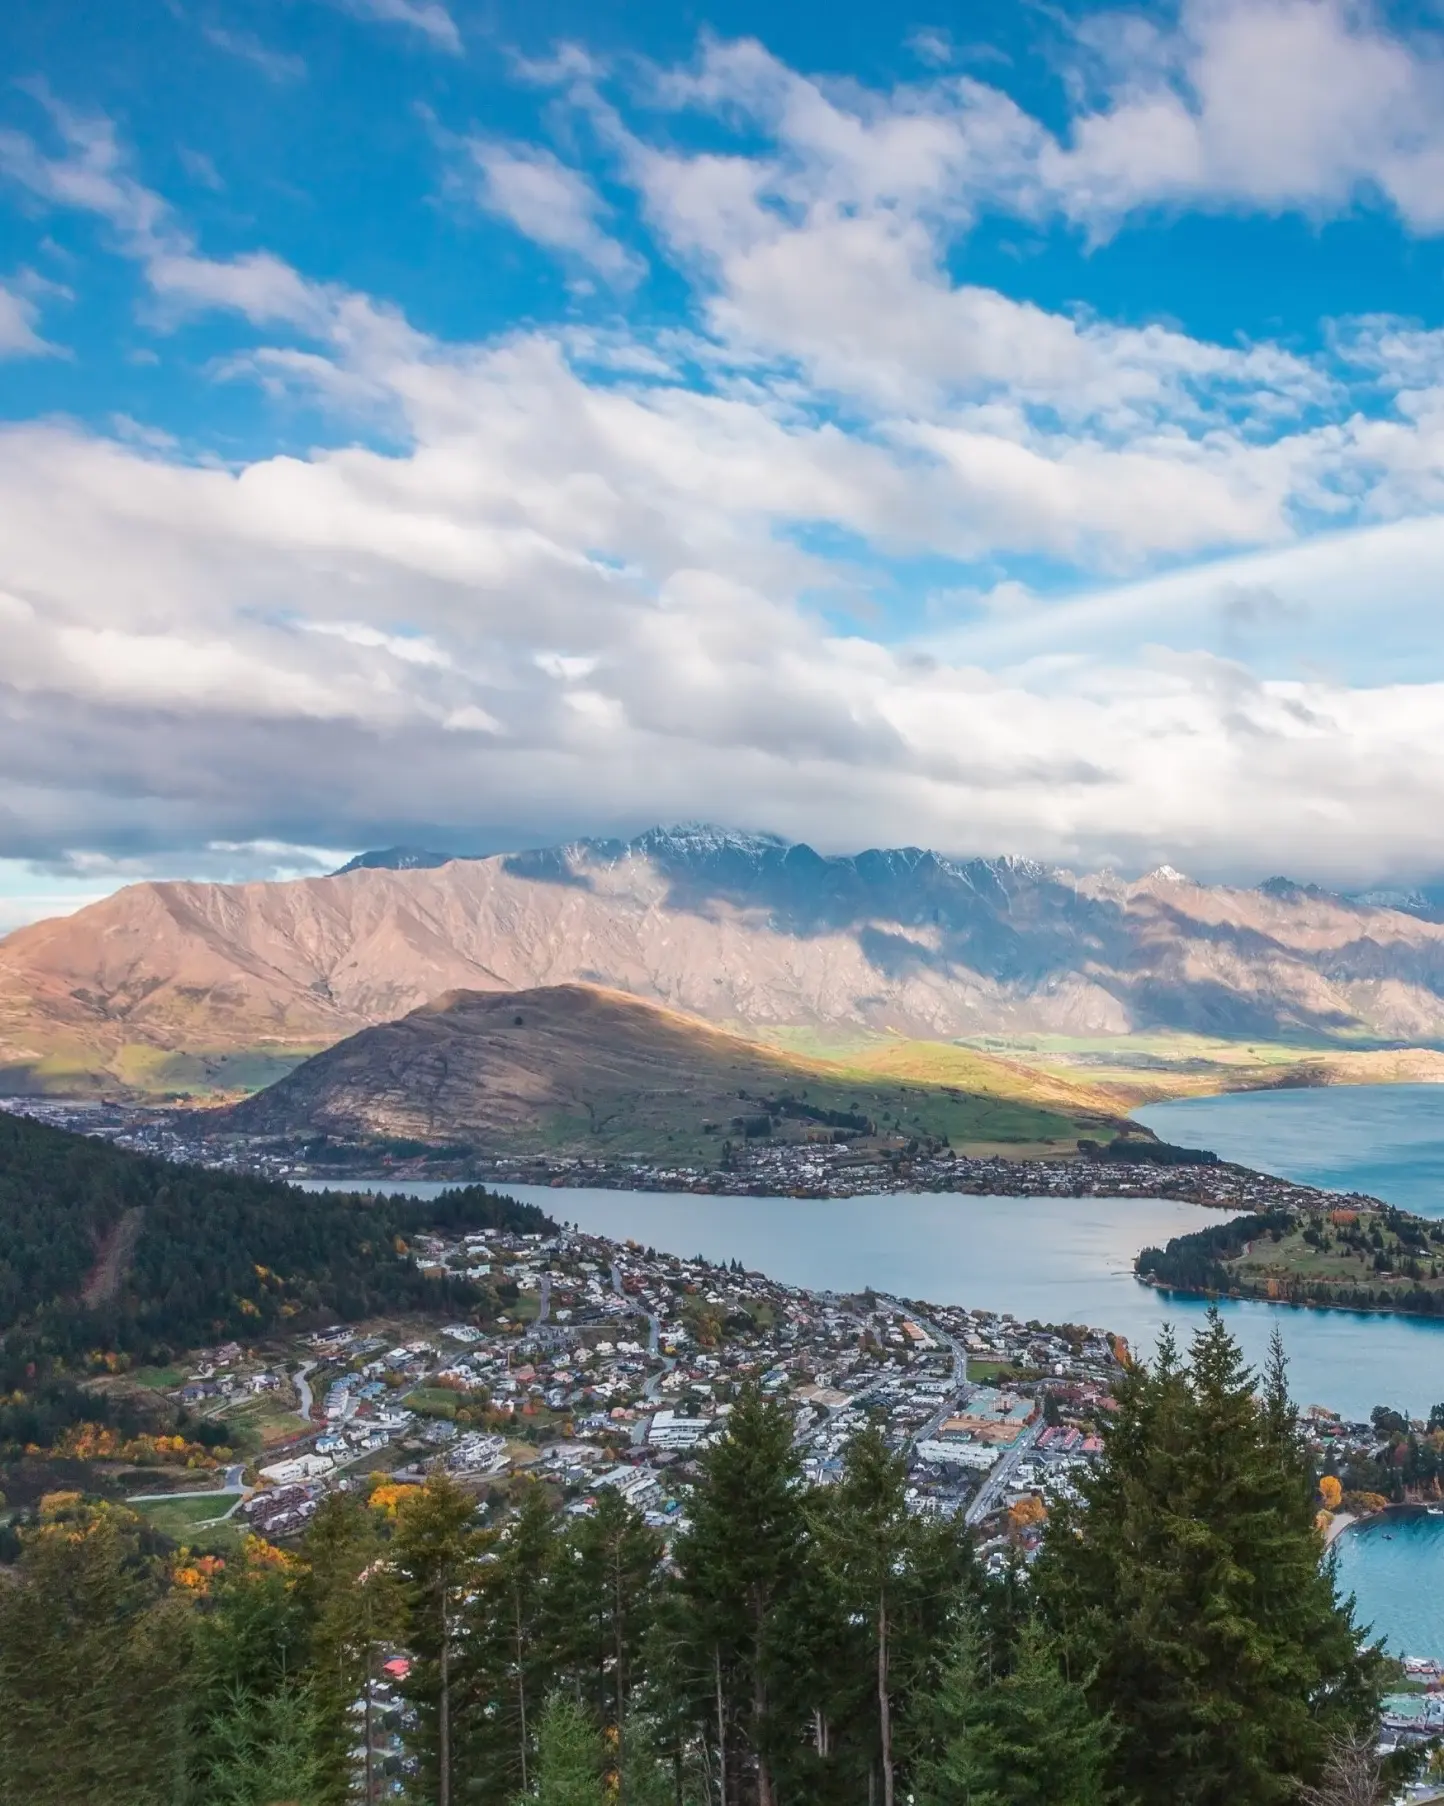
(547, 865)
(1023, 926)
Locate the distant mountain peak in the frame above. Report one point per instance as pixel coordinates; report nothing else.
(1166, 874)
(1288, 890)
(704, 837)
(395, 859)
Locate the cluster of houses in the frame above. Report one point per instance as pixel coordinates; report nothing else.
(617, 1366)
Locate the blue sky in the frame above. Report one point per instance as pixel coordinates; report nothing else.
(999, 427)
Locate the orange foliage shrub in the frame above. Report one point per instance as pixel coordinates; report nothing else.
(94, 1442)
(195, 1577)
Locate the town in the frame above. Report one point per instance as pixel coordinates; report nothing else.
(808, 1169)
(616, 1366)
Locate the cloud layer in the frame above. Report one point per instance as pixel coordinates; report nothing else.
(628, 567)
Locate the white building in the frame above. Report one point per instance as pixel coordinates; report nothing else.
(977, 1455)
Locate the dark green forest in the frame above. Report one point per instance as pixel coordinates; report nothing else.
(1194, 1263)
(1178, 1641)
(198, 1256)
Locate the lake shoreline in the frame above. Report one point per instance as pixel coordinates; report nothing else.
(1284, 1304)
(1215, 1185)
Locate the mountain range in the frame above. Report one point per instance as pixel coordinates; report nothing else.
(189, 985)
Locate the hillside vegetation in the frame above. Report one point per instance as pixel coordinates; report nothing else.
(111, 1257)
(1132, 1070)
(575, 1068)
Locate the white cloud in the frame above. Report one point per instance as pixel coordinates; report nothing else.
(1272, 104)
(92, 176)
(429, 17)
(585, 587)
(276, 65)
(18, 314)
(550, 203)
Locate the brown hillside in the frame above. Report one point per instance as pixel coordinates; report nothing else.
(582, 1069)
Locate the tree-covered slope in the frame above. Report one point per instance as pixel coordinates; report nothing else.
(103, 1249)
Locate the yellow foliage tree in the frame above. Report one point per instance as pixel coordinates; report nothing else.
(1331, 1492)
(1027, 1513)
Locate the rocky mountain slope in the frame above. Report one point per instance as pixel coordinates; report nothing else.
(174, 983)
(575, 1068)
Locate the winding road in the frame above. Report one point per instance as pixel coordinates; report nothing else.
(301, 1382)
(651, 1392)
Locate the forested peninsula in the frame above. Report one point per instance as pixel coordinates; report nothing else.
(1353, 1256)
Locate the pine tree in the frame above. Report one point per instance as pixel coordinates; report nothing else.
(1190, 1585)
(93, 1658)
(354, 1600)
(736, 1565)
(435, 1547)
(506, 1660)
(250, 1647)
(866, 1537)
(1024, 1737)
(604, 1582)
(570, 1758)
(263, 1747)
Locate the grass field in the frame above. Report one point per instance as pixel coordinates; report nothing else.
(1130, 1070)
(433, 1401)
(990, 1373)
(260, 1423)
(158, 1379)
(674, 1124)
(184, 1518)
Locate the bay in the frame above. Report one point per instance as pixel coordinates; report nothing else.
(1394, 1566)
(1387, 1140)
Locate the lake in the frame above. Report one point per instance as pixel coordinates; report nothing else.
(1387, 1140)
(1059, 1259)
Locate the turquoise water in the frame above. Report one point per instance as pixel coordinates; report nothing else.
(1394, 1566)
(1387, 1140)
